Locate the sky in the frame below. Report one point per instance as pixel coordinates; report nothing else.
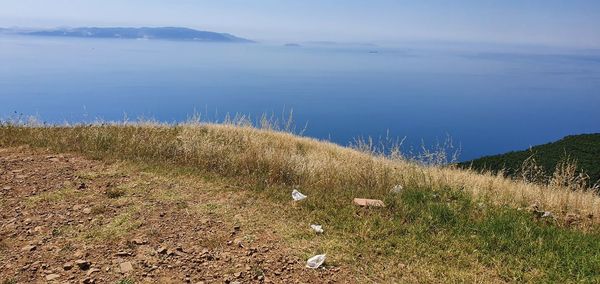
(573, 23)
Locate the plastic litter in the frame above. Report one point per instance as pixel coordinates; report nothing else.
(397, 189)
(547, 214)
(317, 228)
(297, 196)
(315, 261)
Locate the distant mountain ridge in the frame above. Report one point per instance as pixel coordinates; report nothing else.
(166, 33)
(584, 148)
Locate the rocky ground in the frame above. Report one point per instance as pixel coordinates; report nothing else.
(68, 219)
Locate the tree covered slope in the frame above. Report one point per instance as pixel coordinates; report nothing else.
(584, 148)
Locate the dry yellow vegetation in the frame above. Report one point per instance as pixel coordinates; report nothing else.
(237, 149)
(445, 225)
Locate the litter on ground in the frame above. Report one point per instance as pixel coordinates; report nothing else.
(317, 228)
(315, 261)
(297, 196)
(397, 189)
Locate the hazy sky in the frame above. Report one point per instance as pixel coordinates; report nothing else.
(551, 22)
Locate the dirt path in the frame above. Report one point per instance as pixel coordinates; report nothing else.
(67, 219)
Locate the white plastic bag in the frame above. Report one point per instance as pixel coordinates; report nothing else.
(297, 196)
(397, 189)
(317, 228)
(315, 261)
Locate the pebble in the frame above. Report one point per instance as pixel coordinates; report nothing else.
(92, 271)
(68, 266)
(83, 264)
(28, 248)
(123, 253)
(126, 267)
(139, 241)
(51, 277)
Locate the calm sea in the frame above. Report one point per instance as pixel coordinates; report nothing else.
(490, 99)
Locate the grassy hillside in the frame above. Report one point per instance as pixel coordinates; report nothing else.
(446, 225)
(584, 149)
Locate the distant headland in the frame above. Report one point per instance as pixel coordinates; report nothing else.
(164, 33)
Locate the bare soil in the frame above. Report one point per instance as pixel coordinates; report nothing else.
(68, 219)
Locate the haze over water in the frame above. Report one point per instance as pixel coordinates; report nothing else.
(490, 99)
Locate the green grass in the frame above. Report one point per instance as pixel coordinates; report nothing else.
(55, 196)
(448, 234)
(119, 226)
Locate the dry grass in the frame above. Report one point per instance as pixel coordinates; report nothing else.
(269, 157)
(435, 230)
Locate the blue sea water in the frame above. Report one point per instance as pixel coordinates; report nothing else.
(490, 99)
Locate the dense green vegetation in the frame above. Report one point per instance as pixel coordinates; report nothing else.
(584, 148)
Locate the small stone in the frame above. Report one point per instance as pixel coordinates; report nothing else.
(87, 210)
(28, 248)
(68, 266)
(123, 253)
(368, 202)
(126, 267)
(83, 264)
(51, 277)
(92, 271)
(139, 241)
